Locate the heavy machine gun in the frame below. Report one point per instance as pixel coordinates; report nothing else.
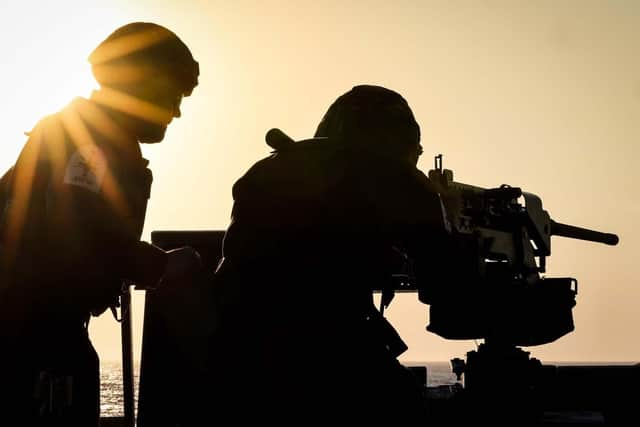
(502, 294)
(503, 297)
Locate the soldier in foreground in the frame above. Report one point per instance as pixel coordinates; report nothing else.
(71, 223)
(316, 227)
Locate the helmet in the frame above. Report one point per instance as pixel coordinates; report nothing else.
(371, 115)
(138, 50)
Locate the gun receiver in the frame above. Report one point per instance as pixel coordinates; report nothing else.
(495, 214)
(505, 297)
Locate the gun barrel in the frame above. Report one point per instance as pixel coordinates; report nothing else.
(571, 231)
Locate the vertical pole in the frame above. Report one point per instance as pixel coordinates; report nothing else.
(127, 358)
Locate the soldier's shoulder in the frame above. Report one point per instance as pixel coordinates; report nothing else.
(54, 125)
(254, 172)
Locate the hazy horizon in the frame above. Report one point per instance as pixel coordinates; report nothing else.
(420, 362)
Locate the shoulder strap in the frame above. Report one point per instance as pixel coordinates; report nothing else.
(5, 195)
(5, 198)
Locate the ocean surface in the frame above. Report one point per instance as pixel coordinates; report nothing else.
(112, 405)
(111, 398)
(438, 373)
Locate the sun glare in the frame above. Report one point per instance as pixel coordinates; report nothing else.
(47, 64)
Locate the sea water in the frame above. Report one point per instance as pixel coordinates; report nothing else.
(112, 402)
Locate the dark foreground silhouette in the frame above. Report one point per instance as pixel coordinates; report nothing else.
(72, 210)
(319, 226)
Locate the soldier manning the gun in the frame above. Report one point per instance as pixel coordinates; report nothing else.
(316, 227)
(72, 221)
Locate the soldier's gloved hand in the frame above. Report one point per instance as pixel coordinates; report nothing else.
(182, 264)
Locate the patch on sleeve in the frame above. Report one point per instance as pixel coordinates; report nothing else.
(86, 168)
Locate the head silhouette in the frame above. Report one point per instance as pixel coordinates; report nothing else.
(144, 71)
(373, 118)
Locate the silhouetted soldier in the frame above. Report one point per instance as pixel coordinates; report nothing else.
(72, 221)
(316, 227)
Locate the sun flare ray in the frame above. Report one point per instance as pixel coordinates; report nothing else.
(127, 44)
(133, 106)
(21, 204)
(80, 135)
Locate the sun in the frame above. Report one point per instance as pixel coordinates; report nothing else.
(45, 65)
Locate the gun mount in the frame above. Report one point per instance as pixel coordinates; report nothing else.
(502, 295)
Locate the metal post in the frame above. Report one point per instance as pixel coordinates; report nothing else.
(127, 358)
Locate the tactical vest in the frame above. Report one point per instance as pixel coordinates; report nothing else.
(42, 239)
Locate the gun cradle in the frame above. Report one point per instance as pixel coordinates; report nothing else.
(505, 299)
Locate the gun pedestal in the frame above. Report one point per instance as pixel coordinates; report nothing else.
(503, 297)
(500, 384)
(503, 384)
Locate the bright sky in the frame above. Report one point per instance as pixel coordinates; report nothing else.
(542, 95)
